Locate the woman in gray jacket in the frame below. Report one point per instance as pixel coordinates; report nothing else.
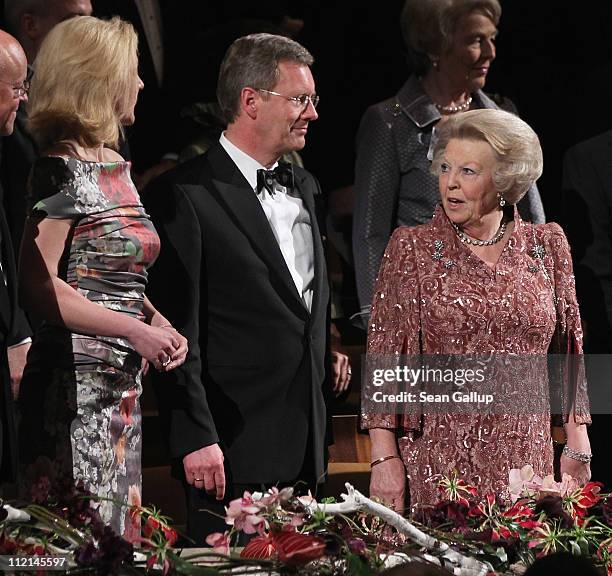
(452, 46)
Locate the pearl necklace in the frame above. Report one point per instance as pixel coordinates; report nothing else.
(467, 240)
(454, 109)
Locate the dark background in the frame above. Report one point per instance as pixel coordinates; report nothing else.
(553, 61)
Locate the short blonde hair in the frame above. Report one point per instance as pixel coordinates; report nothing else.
(83, 74)
(428, 26)
(515, 145)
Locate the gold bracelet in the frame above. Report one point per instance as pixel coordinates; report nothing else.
(383, 459)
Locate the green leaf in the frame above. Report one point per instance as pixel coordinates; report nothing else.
(356, 567)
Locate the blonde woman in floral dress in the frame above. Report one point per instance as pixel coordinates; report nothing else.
(86, 248)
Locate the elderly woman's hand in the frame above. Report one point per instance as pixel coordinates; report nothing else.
(577, 442)
(581, 471)
(388, 483)
(388, 479)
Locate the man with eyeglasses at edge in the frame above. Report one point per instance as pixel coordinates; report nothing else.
(242, 274)
(14, 329)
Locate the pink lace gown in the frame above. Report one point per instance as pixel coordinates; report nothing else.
(435, 296)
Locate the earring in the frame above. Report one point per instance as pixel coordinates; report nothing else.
(502, 201)
(434, 63)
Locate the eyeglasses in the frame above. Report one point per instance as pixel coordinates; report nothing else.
(300, 101)
(19, 91)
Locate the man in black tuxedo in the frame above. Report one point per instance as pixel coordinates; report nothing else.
(14, 330)
(587, 220)
(242, 275)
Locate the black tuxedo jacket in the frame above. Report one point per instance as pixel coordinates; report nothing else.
(18, 154)
(587, 201)
(257, 370)
(13, 329)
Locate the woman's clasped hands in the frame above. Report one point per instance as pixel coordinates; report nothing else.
(163, 346)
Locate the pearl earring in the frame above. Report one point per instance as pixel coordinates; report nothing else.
(502, 201)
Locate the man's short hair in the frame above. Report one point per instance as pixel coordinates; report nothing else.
(253, 61)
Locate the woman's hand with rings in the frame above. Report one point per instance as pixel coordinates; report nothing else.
(155, 344)
(169, 360)
(163, 360)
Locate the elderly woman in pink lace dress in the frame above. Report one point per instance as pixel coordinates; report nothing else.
(476, 279)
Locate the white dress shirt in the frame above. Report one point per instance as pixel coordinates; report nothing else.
(288, 218)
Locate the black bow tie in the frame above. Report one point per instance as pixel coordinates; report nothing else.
(282, 174)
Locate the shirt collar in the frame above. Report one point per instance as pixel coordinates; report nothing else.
(247, 165)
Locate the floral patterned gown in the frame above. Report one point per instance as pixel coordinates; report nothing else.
(435, 296)
(80, 393)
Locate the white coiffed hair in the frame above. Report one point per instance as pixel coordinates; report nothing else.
(516, 146)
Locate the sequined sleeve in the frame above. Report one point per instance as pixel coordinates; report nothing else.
(394, 322)
(567, 339)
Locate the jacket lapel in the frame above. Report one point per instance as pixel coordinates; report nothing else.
(240, 201)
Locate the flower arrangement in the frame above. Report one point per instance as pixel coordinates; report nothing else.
(292, 531)
(543, 517)
(292, 534)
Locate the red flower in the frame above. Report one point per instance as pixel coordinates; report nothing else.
(529, 524)
(578, 502)
(153, 561)
(259, 547)
(455, 489)
(170, 534)
(484, 508)
(294, 548)
(154, 524)
(589, 495)
(518, 510)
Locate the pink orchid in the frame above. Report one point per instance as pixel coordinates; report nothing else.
(242, 514)
(519, 479)
(276, 496)
(307, 500)
(524, 482)
(219, 542)
(297, 520)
